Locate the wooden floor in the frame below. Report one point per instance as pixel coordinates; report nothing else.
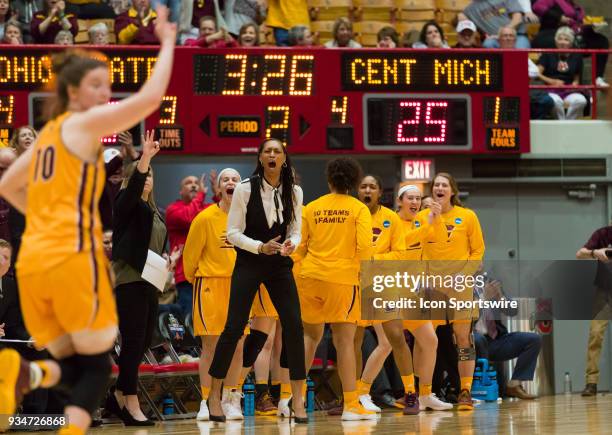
(567, 415)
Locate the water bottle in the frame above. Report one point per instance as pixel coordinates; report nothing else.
(168, 405)
(567, 384)
(249, 399)
(310, 395)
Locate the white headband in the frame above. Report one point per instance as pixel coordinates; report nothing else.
(408, 188)
(225, 170)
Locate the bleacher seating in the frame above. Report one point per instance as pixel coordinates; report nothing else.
(374, 10)
(369, 16)
(324, 29)
(365, 31)
(329, 10)
(416, 10)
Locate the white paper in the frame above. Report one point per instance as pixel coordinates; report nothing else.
(155, 271)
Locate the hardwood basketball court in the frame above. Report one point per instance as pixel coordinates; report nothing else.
(567, 415)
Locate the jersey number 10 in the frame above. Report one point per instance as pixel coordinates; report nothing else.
(45, 163)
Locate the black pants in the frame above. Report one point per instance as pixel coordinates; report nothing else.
(137, 309)
(278, 279)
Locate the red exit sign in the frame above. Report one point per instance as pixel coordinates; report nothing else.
(417, 169)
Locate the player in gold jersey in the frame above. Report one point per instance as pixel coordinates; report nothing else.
(388, 241)
(426, 342)
(64, 281)
(208, 261)
(336, 236)
(464, 244)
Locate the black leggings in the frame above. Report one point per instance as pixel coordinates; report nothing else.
(137, 309)
(279, 282)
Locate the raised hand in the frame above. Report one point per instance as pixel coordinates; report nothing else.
(164, 29)
(203, 187)
(150, 146)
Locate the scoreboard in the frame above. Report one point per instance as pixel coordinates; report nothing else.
(317, 101)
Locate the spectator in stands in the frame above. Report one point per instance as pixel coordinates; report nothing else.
(47, 23)
(210, 37)
(300, 36)
(409, 38)
(7, 157)
(90, 9)
(556, 13)
(5, 15)
(137, 25)
(559, 69)
(23, 137)
(507, 37)
(467, 35)
(179, 215)
(491, 15)
(98, 34)
(249, 35)
(24, 11)
(64, 37)
(12, 33)
(204, 8)
(120, 6)
(432, 36)
(343, 35)
(495, 343)
(528, 15)
(241, 12)
(541, 103)
(387, 37)
(283, 15)
(137, 229)
(107, 243)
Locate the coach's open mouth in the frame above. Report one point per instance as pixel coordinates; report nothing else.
(230, 191)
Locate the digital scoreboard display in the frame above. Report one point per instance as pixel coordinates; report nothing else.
(316, 101)
(411, 119)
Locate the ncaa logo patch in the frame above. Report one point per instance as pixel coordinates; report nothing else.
(417, 224)
(458, 221)
(386, 224)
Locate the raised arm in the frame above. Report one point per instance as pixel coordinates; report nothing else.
(103, 120)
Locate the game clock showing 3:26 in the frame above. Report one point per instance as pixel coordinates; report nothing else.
(315, 101)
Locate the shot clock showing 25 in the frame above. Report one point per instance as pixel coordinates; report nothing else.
(315, 101)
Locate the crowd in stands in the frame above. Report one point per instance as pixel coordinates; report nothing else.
(489, 24)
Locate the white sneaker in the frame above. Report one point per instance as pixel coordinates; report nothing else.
(356, 411)
(366, 401)
(283, 408)
(433, 402)
(601, 82)
(231, 405)
(203, 414)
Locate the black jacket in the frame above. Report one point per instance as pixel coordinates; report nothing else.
(10, 311)
(132, 224)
